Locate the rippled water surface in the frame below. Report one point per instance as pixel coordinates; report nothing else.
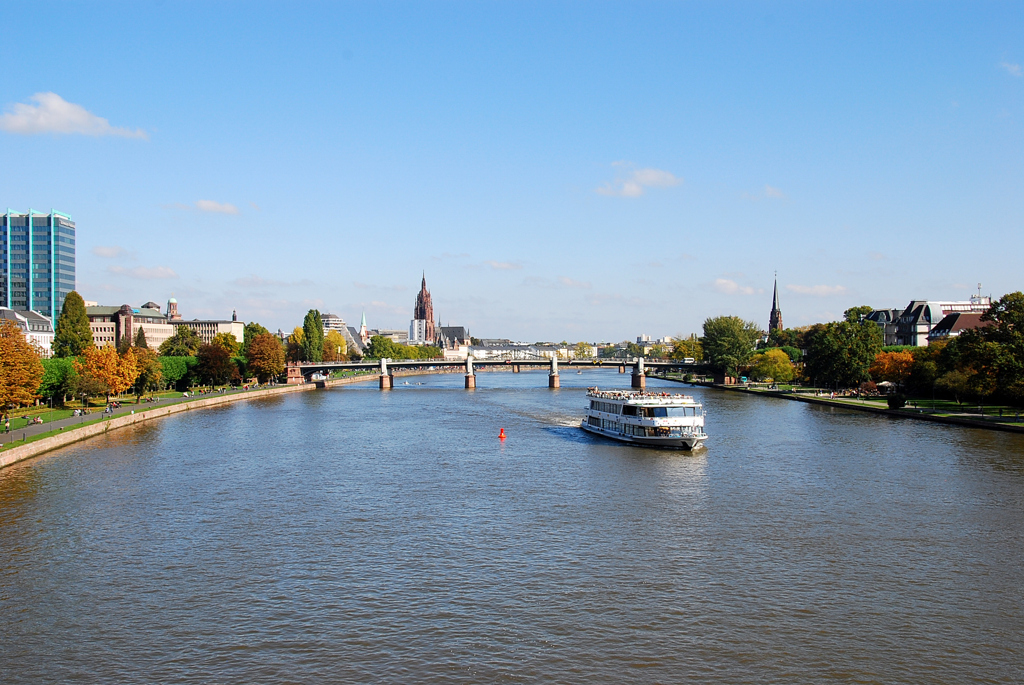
(352, 535)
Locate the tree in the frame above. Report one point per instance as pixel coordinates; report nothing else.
(177, 371)
(125, 343)
(251, 330)
(334, 347)
(688, 348)
(313, 337)
(381, 347)
(215, 365)
(184, 343)
(105, 365)
(773, 364)
(72, 335)
(20, 369)
(228, 341)
(583, 350)
(729, 342)
(1007, 335)
(894, 367)
(150, 371)
(840, 354)
(59, 379)
(140, 339)
(658, 351)
(265, 357)
(857, 314)
(787, 337)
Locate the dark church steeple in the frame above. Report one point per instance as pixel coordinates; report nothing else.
(775, 318)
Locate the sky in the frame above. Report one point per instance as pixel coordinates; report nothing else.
(559, 170)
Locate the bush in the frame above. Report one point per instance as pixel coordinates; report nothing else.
(896, 401)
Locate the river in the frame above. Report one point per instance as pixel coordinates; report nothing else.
(354, 535)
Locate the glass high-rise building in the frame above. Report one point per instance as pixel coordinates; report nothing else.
(37, 261)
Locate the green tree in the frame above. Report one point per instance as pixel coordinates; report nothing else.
(140, 339)
(59, 379)
(583, 350)
(177, 371)
(125, 343)
(381, 347)
(773, 364)
(840, 354)
(688, 348)
(228, 341)
(729, 342)
(313, 337)
(184, 343)
(72, 334)
(857, 314)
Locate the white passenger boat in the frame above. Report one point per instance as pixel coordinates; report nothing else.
(647, 418)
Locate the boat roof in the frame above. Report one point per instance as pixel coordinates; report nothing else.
(640, 397)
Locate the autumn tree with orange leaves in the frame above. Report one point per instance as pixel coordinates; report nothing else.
(104, 364)
(21, 372)
(894, 367)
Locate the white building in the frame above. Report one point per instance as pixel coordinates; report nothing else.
(921, 316)
(37, 328)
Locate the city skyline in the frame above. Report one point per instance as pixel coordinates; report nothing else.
(559, 174)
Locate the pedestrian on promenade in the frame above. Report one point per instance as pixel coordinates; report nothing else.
(7, 425)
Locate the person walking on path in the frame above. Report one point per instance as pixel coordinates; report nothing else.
(7, 425)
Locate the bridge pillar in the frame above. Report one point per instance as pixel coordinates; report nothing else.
(470, 381)
(554, 381)
(639, 380)
(387, 381)
(515, 368)
(295, 376)
(622, 368)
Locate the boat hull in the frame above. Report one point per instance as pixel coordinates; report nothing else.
(686, 443)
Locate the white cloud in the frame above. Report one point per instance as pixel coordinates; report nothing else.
(1012, 69)
(570, 283)
(54, 114)
(769, 193)
(110, 251)
(817, 290)
(504, 266)
(637, 180)
(143, 272)
(216, 207)
(724, 285)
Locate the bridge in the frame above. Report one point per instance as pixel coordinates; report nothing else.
(302, 372)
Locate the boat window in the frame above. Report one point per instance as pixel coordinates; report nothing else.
(680, 411)
(629, 410)
(657, 411)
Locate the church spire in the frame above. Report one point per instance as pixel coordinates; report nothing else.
(775, 318)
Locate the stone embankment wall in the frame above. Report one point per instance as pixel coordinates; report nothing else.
(31, 449)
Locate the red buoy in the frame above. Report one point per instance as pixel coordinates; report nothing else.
(501, 434)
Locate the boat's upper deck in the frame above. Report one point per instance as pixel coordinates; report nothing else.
(642, 398)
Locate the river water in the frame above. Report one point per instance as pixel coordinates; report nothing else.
(353, 535)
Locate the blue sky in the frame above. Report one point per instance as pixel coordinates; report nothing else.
(559, 170)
